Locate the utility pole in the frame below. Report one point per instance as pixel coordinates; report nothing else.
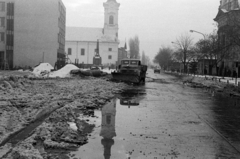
(236, 81)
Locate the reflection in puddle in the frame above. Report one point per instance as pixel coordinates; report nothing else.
(107, 137)
(129, 102)
(108, 127)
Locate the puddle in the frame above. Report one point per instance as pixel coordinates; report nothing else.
(112, 122)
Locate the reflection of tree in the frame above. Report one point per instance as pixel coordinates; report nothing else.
(108, 127)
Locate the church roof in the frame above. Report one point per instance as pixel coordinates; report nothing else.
(83, 34)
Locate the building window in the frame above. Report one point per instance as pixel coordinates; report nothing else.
(2, 6)
(1, 36)
(82, 51)
(10, 23)
(10, 9)
(109, 49)
(111, 19)
(69, 51)
(109, 57)
(2, 21)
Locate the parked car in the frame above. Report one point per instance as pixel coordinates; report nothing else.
(157, 70)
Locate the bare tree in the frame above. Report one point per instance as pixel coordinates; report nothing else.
(183, 45)
(164, 57)
(134, 47)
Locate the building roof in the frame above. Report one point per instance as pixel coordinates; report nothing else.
(83, 34)
(87, 34)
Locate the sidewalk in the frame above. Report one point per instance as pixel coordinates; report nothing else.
(229, 80)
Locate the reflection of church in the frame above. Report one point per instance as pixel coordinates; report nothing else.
(108, 127)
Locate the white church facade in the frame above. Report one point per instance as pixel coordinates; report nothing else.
(81, 43)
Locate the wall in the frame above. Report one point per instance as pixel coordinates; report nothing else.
(36, 31)
(3, 29)
(90, 52)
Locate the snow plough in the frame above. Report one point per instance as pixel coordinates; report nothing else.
(130, 70)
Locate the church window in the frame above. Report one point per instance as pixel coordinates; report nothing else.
(109, 57)
(109, 49)
(82, 51)
(111, 19)
(69, 51)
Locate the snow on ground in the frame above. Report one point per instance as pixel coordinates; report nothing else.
(229, 80)
(63, 72)
(43, 67)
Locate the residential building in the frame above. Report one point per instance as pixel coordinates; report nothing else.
(32, 31)
(81, 43)
(205, 66)
(228, 19)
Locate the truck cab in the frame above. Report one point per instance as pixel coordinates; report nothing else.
(130, 70)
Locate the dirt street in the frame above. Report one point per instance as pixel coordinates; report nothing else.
(36, 114)
(92, 118)
(163, 119)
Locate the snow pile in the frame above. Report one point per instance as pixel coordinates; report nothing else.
(43, 68)
(108, 71)
(64, 72)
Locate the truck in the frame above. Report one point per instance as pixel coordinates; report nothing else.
(130, 70)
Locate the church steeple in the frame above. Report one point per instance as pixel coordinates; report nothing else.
(111, 8)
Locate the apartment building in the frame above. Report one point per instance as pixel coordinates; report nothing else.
(32, 31)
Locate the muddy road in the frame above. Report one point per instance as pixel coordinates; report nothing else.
(164, 119)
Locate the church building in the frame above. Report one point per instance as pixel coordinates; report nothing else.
(228, 37)
(85, 44)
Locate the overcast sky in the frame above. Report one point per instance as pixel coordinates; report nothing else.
(156, 22)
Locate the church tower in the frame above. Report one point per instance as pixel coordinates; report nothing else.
(110, 29)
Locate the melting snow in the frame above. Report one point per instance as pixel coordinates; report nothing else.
(43, 67)
(64, 72)
(108, 71)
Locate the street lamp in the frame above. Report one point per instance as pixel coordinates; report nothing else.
(203, 69)
(184, 55)
(198, 33)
